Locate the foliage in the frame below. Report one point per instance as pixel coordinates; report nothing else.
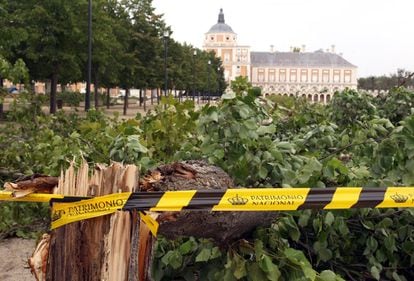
(396, 105)
(387, 82)
(268, 257)
(349, 106)
(259, 142)
(17, 73)
(168, 127)
(128, 46)
(25, 220)
(70, 98)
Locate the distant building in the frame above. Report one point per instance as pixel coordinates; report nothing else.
(223, 41)
(314, 75)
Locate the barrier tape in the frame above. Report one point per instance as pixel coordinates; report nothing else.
(64, 210)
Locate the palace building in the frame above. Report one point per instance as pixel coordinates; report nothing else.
(314, 75)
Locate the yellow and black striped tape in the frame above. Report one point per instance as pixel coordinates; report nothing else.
(69, 209)
(273, 199)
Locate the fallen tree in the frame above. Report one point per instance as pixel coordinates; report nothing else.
(120, 246)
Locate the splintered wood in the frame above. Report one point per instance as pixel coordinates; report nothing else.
(99, 248)
(36, 183)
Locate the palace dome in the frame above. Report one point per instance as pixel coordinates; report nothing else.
(221, 26)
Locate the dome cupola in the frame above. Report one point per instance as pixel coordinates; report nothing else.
(220, 26)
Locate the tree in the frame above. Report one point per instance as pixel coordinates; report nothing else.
(54, 40)
(4, 70)
(107, 47)
(387, 82)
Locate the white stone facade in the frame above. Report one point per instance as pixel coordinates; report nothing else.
(316, 83)
(315, 75)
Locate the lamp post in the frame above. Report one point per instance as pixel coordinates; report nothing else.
(194, 56)
(218, 81)
(208, 80)
(165, 62)
(89, 71)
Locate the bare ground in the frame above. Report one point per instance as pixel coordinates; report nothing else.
(14, 253)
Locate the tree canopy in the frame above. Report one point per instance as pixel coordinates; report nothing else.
(128, 45)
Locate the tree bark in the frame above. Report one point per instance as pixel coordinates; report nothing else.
(32, 184)
(95, 87)
(223, 227)
(108, 97)
(53, 90)
(145, 99)
(126, 101)
(152, 96)
(99, 248)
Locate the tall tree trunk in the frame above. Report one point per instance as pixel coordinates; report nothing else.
(1, 82)
(145, 99)
(126, 101)
(140, 97)
(108, 97)
(152, 96)
(158, 95)
(96, 87)
(53, 90)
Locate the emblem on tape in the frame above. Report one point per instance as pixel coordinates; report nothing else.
(238, 200)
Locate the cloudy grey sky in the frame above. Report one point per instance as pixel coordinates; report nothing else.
(375, 35)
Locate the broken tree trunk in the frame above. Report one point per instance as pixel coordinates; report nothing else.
(119, 247)
(223, 227)
(98, 248)
(36, 183)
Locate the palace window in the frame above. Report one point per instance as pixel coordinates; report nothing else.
(336, 76)
(282, 75)
(303, 75)
(325, 75)
(293, 75)
(347, 76)
(226, 56)
(271, 75)
(315, 75)
(261, 75)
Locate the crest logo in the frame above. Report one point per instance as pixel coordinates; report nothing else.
(238, 200)
(399, 198)
(57, 215)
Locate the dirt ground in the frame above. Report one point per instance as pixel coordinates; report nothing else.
(14, 253)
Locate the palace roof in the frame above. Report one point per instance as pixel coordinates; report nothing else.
(307, 59)
(221, 26)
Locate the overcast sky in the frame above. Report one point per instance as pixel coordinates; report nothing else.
(375, 35)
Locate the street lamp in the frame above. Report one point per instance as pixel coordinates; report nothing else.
(218, 81)
(208, 81)
(194, 56)
(165, 62)
(89, 71)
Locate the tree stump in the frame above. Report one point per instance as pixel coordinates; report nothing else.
(118, 247)
(98, 248)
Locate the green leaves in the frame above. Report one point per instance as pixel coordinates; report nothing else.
(173, 259)
(271, 270)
